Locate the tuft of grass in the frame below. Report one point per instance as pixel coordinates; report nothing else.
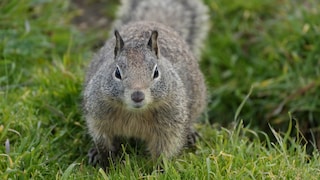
(270, 46)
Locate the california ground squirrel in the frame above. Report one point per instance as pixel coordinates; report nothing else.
(145, 81)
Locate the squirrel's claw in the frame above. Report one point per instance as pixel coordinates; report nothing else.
(93, 156)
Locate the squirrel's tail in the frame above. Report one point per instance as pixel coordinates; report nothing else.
(188, 17)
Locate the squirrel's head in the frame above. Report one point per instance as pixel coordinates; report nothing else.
(137, 72)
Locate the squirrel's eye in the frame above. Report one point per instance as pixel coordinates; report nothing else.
(117, 73)
(155, 73)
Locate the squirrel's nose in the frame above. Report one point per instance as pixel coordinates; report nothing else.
(137, 96)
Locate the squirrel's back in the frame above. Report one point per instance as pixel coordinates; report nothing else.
(188, 17)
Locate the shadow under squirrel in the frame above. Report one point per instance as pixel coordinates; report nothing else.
(145, 82)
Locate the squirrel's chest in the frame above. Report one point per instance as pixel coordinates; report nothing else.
(132, 124)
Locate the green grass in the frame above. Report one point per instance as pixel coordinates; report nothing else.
(270, 47)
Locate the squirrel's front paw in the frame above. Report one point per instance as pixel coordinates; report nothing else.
(93, 156)
(192, 138)
(99, 158)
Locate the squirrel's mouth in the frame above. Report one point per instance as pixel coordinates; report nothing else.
(132, 105)
(137, 106)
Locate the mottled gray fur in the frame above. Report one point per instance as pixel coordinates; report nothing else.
(143, 83)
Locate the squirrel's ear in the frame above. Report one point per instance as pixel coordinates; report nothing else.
(119, 43)
(153, 43)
